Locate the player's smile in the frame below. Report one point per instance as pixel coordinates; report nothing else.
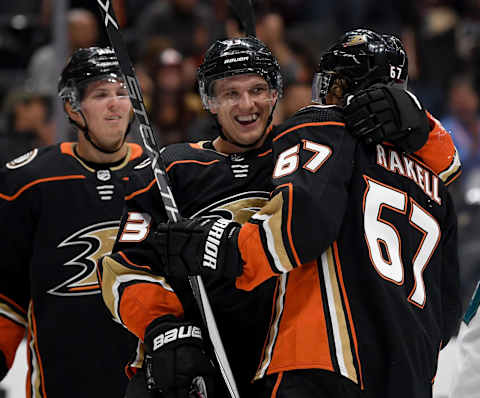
(243, 104)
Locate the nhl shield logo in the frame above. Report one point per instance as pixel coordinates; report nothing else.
(103, 175)
(236, 157)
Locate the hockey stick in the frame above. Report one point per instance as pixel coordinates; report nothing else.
(152, 147)
(244, 11)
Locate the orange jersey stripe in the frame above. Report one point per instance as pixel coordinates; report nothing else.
(302, 341)
(257, 268)
(141, 303)
(67, 148)
(125, 258)
(37, 353)
(140, 191)
(136, 150)
(39, 181)
(308, 125)
(260, 155)
(12, 333)
(190, 161)
(13, 303)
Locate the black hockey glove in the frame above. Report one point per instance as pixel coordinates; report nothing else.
(202, 246)
(3, 366)
(137, 387)
(384, 113)
(175, 363)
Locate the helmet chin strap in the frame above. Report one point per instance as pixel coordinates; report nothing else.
(236, 143)
(86, 131)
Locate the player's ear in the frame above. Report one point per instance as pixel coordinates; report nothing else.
(74, 115)
(213, 106)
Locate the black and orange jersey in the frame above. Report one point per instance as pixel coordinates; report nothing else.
(439, 153)
(59, 215)
(364, 241)
(205, 183)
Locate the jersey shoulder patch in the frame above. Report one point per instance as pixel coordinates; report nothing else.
(34, 167)
(22, 160)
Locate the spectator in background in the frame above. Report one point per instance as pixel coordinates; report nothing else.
(185, 22)
(270, 29)
(83, 32)
(463, 121)
(174, 105)
(27, 124)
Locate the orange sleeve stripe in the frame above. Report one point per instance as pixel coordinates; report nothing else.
(141, 303)
(289, 221)
(140, 191)
(190, 161)
(37, 353)
(13, 303)
(257, 268)
(125, 258)
(277, 385)
(261, 155)
(12, 333)
(349, 312)
(312, 124)
(39, 181)
(447, 183)
(195, 145)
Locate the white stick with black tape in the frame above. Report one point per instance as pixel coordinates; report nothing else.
(152, 147)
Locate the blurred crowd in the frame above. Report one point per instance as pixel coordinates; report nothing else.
(167, 38)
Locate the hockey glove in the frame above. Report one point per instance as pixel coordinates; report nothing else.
(137, 387)
(3, 366)
(199, 246)
(175, 361)
(384, 113)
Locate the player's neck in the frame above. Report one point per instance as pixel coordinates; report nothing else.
(88, 152)
(224, 146)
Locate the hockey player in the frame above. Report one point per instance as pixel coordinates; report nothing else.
(363, 239)
(228, 177)
(60, 208)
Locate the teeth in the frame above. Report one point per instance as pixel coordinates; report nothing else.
(248, 118)
(113, 118)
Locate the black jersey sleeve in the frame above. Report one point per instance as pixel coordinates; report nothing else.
(450, 284)
(132, 292)
(17, 212)
(313, 165)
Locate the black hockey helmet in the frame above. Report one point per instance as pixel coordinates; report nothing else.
(361, 58)
(398, 60)
(232, 57)
(87, 65)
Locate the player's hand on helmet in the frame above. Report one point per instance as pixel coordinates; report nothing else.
(386, 113)
(176, 364)
(200, 246)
